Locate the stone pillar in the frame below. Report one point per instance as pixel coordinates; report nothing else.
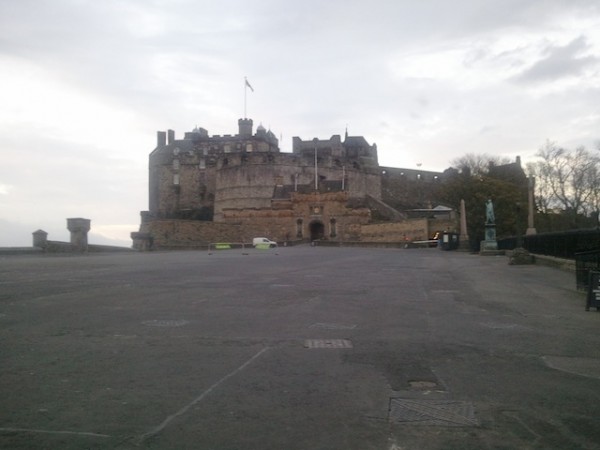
(40, 239)
(463, 239)
(530, 196)
(79, 229)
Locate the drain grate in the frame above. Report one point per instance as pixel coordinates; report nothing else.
(327, 343)
(165, 323)
(445, 413)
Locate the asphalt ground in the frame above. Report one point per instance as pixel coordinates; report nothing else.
(295, 348)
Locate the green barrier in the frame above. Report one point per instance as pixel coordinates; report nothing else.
(263, 246)
(222, 246)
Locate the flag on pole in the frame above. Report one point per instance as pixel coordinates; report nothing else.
(248, 84)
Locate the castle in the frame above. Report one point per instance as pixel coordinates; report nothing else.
(205, 189)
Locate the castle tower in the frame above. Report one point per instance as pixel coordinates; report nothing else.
(245, 126)
(79, 229)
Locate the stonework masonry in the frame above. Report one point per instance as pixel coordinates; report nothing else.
(205, 189)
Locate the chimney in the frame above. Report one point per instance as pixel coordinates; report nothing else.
(161, 139)
(170, 136)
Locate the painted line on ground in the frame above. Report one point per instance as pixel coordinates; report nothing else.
(32, 430)
(198, 399)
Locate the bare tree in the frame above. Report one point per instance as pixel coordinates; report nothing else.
(543, 191)
(478, 164)
(566, 179)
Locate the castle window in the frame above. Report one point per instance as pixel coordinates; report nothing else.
(299, 228)
(175, 164)
(279, 181)
(248, 147)
(332, 228)
(176, 179)
(202, 164)
(227, 148)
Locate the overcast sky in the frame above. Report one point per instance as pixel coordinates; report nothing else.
(85, 85)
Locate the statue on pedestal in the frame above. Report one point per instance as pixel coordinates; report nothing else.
(489, 245)
(489, 212)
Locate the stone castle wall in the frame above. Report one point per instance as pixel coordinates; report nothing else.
(239, 187)
(282, 227)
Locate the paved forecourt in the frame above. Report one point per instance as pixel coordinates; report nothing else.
(295, 348)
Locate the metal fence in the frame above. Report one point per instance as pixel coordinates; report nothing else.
(584, 263)
(560, 244)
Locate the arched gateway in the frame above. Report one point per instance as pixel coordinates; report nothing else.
(317, 230)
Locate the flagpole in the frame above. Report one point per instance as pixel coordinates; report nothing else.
(245, 94)
(316, 175)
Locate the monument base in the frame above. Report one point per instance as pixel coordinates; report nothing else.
(463, 244)
(490, 248)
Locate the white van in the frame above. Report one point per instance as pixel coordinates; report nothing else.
(262, 242)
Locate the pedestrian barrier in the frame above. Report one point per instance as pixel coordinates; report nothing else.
(585, 262)
(240, 246)
(593, 292)
(220, 246)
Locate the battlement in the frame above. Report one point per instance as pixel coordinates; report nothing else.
(199, 141)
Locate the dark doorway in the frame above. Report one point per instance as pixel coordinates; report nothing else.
(317, 231)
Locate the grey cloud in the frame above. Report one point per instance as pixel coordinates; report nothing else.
(560, 62)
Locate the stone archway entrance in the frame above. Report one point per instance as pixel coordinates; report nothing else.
(317, 231)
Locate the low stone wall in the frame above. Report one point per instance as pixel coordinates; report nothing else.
(181, 234)
(559, 263)
(20, 251)
(280, 226)
(405, 231)
(410, 230)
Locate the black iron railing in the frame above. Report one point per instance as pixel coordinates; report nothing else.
(560, 244)
(584, 263)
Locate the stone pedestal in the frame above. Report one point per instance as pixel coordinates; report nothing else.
(489, 246)
(79, 229)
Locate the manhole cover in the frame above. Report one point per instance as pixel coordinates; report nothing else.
(327, 343)
(445, 413)
(165, 323)
(333, 326)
